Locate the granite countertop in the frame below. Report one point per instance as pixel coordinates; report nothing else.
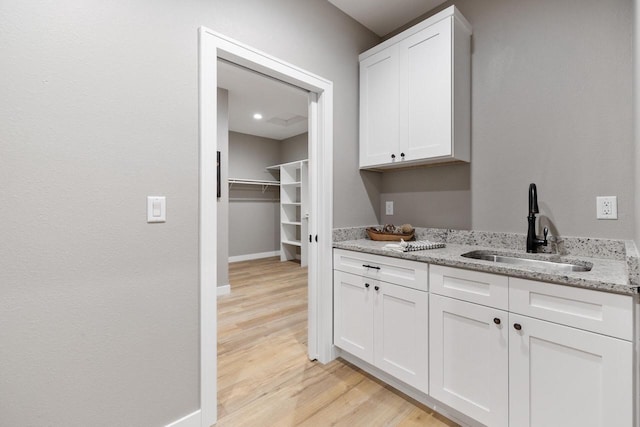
(610, 275)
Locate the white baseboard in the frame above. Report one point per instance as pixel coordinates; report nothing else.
(224, 290)
(249, 257)
(191, 420)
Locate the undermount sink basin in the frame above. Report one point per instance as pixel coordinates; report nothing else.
(526, 261)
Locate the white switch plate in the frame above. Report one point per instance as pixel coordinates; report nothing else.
(389, 207)
(606, 207)
(156, 209)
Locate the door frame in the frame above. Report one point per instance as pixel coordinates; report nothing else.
(211, 47)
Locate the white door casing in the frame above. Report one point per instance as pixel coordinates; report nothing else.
(211, 47)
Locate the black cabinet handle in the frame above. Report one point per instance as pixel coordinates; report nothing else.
(496, 320)
(370, 266)
(517, 326)
(393, 156)
(376, 287)
(309, 238)
(402, 155)
(366, 285)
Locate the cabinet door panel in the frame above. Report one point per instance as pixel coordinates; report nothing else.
(561, 376)
(379, 108)
(401, 334)
(353, 314)
(468, 356)
(426, 89)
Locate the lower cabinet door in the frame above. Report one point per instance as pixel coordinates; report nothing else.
(401, 340)
(469, 359)
(562, 376)
(353, 314)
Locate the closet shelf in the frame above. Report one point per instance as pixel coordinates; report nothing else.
(292, 242)
(277, 167)
(262, 182)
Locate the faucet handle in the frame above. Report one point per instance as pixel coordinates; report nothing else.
(545, 232)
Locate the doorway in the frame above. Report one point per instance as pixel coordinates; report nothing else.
(213, 46)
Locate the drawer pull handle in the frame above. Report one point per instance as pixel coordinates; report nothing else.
(496, 320)
(376, 287)
(517, 326)
(366, 285)
(370, 266)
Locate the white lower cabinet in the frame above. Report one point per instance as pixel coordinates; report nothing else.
(469, 359)
(383, 324)
(512, 352)
(562, 376)
(548, 360)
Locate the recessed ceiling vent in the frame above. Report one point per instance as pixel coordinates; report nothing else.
(286, 120)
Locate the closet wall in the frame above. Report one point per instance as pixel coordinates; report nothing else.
(254, 216)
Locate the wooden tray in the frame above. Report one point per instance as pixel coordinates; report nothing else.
(391, 237)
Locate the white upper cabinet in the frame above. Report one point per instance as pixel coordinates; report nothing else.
(415, 95)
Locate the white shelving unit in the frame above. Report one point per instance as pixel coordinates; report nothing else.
(293, 210)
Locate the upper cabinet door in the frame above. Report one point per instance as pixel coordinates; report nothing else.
(379, 108)
(415, 95)
(425, 93)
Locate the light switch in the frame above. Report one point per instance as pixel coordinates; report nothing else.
(156, 209)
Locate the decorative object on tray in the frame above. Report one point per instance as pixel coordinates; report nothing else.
(391, 233)
(418, 245)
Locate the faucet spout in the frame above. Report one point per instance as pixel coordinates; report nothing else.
(532, 239)
(533, 199)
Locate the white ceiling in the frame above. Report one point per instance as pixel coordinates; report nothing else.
(284, 108)
(384, 16)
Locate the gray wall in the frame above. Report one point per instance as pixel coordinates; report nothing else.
(551, 104)
(100, 310)
(223, 200)
(636, 109)
(254, 216)
(294, 148)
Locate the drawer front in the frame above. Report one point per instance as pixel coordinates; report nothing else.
(596, 311)
(487, 289)
(401, 272)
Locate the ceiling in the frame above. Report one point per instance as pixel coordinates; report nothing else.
(284, 107)
(384, 16)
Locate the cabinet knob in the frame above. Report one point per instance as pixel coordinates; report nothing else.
(517, 326)
(496, 320)
(376, 287)
(393, 156)
(366, 285)
(402, 155)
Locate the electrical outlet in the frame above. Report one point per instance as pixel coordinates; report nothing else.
(607, 207)
(389, 207)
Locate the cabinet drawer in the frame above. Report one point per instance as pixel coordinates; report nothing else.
(602, 312)
(388, 269)
(481, 288)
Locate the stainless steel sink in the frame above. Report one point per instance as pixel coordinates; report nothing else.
(557, 266)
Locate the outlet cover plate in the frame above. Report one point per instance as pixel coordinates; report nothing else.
(389, 207)
(606, 207)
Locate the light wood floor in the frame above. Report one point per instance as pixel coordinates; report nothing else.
(264, 375)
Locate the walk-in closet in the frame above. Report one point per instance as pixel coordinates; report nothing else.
(263, 204)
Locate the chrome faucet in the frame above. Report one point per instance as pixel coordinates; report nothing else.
(532, 239)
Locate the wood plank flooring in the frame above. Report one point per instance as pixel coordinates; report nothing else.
(264, 375)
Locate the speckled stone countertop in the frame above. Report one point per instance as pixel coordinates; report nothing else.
(610, 270)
